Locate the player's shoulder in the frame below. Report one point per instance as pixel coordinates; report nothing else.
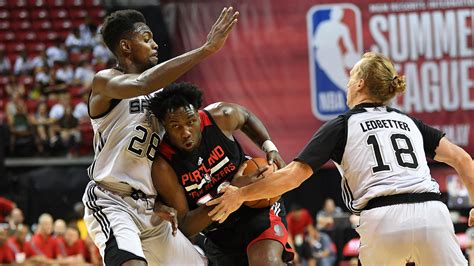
(102, 77)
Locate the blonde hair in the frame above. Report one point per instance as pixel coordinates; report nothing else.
(381, 79)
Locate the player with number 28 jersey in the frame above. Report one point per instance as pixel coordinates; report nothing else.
(118, 156)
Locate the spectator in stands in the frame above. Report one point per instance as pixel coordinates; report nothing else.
(15, 219)
(43, 126)
(84, 74)
(71, 249)
(5, 65)
(325, 217)
(101, 55)
(88, 31)
(69, 131)
(470, 245)
(57, 52)
(41, 60)
(14, 85)
(81, 112)
(17, 242)
(6, 254)
(21, 130)
(74, 42)
(64, 73)
(22, 64)
(78, 219)
(59, 229)
(6, 206)
(12, 106)
(300, 223)
(319, 249)
(41, 248)
(92, 252)
(57, 111)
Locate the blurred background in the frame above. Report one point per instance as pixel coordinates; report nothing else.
(286, 61)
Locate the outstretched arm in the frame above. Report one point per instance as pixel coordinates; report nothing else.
(461, 161)
(190, 222)
(232, 117)
(120, 86)
(273, 185)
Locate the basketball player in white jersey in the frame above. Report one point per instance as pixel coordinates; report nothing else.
(381, 155)
(120, 198)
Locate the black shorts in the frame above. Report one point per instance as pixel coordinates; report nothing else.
(228, 243)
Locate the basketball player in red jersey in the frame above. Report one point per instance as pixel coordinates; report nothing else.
(197, 155)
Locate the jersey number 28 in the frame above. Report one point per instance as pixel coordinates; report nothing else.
(399, 152)
(140, 146)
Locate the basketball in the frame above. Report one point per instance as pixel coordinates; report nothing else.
(252, 166)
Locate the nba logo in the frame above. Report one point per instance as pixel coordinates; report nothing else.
(335, 45)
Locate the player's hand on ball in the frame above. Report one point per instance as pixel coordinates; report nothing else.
(274, 157)
(471, 218)
(241, 180)
(221, 29)
(165, 213)
(228, 203)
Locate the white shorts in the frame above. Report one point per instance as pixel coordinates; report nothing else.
(422, 233)
(121, 229)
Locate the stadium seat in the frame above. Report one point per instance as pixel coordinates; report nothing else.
(58, 14)
(4, 14)
(4, 25)
(74, 3)
(55, 3)
(19, 14)
(7, 36)
(62, 24)
(77, 13)
(42, 25)
(3, 4)
(14, 48)
(31, 105)
(39, 14)
(92, 3)
(20, 25)
(36, 3)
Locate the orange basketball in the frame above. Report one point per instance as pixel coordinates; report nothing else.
(252, 166)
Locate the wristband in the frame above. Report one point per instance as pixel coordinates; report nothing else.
(268, 146)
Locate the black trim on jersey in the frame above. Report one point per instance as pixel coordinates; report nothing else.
(97, 212)
(113, 103)
(329, 142)
(431, 136)
(114, 255)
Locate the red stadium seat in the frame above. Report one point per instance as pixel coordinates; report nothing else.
(58, 13)
(55, 3)
(74, 3)
(77, 13)
(39, 14)
(4, 14)
(35, 47)
(92, 3)
(62, 24)
(7, 36)
(3, 4)
(20, 25)
(25, 35)
(19, 14)
(31, 105)
(4, 25)
(42, 25)
(36, 3)
(14, 48)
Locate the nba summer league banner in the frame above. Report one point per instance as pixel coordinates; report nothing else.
(289, 61)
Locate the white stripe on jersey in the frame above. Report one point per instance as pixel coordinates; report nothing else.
(384, 155)
(125, 143)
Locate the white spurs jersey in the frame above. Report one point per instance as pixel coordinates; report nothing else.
(378, 151)
(126, 140)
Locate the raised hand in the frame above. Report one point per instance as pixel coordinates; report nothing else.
(221, 29)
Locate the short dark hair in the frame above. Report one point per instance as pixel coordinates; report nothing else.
(174, 96)
(118, 24)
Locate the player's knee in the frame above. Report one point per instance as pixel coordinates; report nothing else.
(266, 252)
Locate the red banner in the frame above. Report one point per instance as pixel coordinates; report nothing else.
(288, 61)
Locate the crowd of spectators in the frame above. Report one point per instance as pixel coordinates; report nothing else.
(43, 97)
(48, 242)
